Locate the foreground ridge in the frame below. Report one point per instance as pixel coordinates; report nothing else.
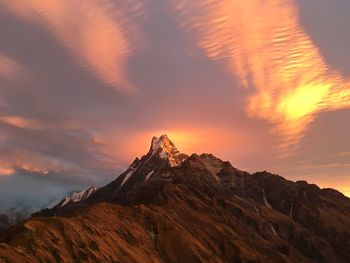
(170, 207)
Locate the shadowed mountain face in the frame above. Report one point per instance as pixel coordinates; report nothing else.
(4, 221)
(170, 207)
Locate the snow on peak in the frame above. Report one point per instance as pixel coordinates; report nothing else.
(78, 196)
(148, 176)
(165, 149)
(127, 176)
(164, 143)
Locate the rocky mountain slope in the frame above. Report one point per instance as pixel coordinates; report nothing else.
(170, 207)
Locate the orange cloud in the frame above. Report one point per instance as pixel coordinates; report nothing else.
(94, 31)
(9, 167)
(18, 159)
(265, 47)
(8, 67)
(6, 171)
(36, 146)
(15, 121)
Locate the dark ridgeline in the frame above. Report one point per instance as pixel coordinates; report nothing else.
(170, 207)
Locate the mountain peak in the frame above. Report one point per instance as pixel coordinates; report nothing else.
(162, 142)
(78, 196)
(161, 158)
(165, 149)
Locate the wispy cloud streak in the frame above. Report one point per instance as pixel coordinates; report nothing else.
(94, 31)
(264, 46)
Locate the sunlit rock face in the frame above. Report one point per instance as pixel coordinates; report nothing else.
(166, 150)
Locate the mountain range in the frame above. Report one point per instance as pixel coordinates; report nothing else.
(172, 207)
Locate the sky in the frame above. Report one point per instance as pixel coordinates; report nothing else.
(84, 85)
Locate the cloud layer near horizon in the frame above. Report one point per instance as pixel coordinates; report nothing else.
(86, 84)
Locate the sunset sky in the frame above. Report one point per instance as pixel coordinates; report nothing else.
(84, 85)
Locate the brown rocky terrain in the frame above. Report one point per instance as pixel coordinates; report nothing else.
(169, 207)
(4, 221)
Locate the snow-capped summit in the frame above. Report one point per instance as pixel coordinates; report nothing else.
(78, 196)
(153, 167)
(166, 149)
(161, 147)
(164, 143)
